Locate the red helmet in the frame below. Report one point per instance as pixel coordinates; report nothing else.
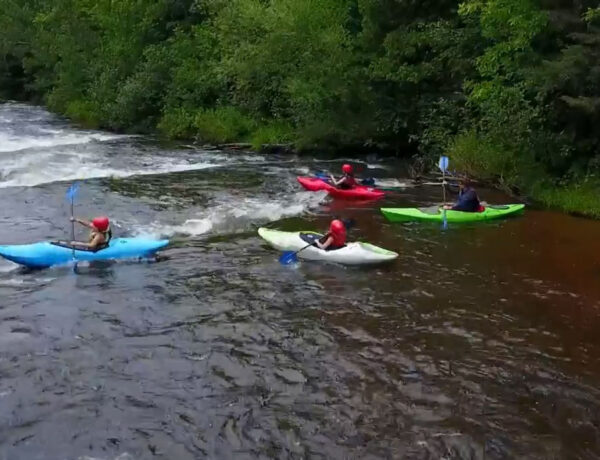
(348, 169)
(337, 227)
(101, 223)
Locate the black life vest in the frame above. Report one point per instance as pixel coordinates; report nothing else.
(107, 237)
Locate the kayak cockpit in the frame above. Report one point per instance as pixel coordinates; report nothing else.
(310, 237)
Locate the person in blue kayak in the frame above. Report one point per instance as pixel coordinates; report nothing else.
(335, 238)
(100, 233)
(347, 181)
(468, 201)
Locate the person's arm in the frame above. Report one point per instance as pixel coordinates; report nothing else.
(326, 244)
(337, 182)
(85, 223)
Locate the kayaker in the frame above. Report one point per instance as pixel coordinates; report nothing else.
(347, 181)
(335, 238)
(468, 201)
(100, 233)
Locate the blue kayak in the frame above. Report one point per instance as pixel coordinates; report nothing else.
(46, 254)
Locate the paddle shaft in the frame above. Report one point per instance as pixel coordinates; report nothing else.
(72, 222)
(444, 163)
(444, 185)
(72, 225)
(308, 245)
(300, 250)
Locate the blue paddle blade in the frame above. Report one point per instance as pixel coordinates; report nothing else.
(72, 191)
(445, 221)
(322, 176)
(288, 257)
(443, 163)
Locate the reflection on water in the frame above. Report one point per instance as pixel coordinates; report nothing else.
(478, 342)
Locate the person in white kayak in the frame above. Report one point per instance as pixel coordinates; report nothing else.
(336, 238)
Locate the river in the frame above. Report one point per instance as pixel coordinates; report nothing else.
(480, 341)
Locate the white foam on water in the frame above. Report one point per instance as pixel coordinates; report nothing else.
(29, 174)
(237, 216)
(38, 148)
(393, 183)
(303, 170)
(44, 138)
(9, 267)
(377, 166)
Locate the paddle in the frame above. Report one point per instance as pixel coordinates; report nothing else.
(290, 257)
(71, 192)
(443, 165)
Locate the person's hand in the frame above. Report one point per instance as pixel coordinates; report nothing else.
(72, 219)
(447, 207)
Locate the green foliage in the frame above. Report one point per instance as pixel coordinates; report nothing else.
(480, 156)
(509, 88)
(177, 123)
(275, 132)
(582, 198)
(592, 15)
(222, 124)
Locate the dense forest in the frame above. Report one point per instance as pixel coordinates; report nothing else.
(510, 89)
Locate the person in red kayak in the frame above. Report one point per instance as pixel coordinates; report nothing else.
(347, 181)
(100, 233)
(335, 238)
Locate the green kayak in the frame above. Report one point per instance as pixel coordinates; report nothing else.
(435, 213)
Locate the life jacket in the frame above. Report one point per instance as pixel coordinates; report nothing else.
(468, 201)
(107, 237)
(349, 182)
(339, 240)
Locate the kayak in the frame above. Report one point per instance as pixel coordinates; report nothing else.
(46, 253)
(436, 213)
(352, 254)
(315, 184)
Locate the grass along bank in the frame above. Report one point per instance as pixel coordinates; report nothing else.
(519, 173)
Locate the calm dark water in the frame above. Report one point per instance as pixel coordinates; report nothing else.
(478, 342)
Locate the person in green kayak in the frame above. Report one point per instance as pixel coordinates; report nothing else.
(468, 201)
(335, 238)
(100, 233)
(347, 181)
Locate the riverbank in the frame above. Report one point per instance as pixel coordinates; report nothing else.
(525, 181)
(580, 199)
(522, 176)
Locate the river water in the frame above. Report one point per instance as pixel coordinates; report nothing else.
(478, 342)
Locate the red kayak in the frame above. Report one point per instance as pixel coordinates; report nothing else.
(360, 192)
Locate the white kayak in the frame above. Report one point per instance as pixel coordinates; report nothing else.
(352, 254)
